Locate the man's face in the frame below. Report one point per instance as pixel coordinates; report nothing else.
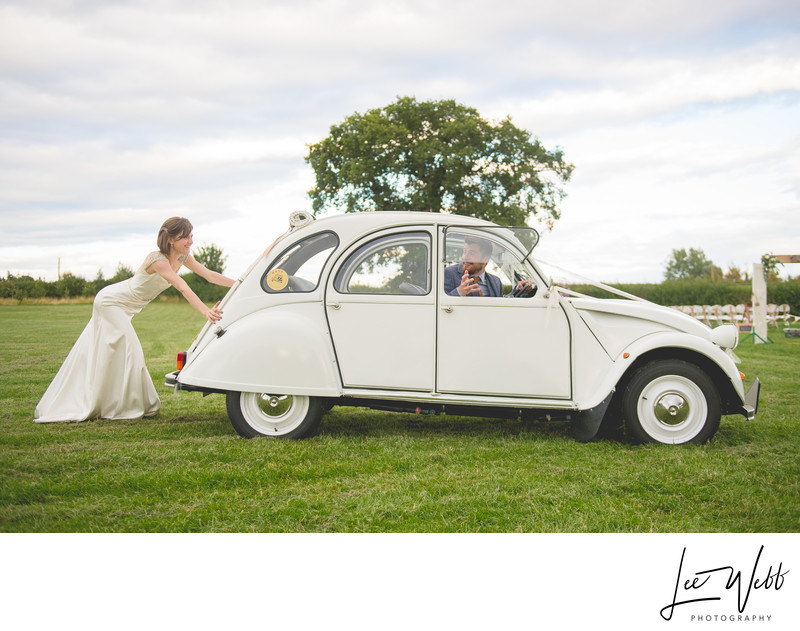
(473, 260)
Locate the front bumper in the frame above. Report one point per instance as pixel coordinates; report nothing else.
(750, 407)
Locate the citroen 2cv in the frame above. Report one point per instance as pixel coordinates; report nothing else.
(363, 309)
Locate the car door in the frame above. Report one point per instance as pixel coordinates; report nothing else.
(500, 346)
(381, 309)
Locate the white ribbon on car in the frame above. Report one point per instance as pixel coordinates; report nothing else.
(589, 281)
(552, 303)
(554, 290)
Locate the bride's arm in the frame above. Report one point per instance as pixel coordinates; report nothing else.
(163, 269)
(210, 275)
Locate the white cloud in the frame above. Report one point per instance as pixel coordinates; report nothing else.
(625, 91)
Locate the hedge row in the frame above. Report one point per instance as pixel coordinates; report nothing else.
(703, 292)
(70, 286)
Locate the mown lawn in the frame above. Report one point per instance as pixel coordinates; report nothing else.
(187, 471)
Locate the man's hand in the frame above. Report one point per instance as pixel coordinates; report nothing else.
(468, 285)
(524, 287)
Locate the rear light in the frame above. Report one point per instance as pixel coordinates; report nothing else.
(181, 360)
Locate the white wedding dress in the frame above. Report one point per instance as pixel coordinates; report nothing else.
(104, 375)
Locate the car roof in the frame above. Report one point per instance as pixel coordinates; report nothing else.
(398, 217)
(351, 225)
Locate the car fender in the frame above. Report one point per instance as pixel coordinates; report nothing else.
(280, 350)
(664, 341)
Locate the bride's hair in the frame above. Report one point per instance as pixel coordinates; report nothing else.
(173, 228)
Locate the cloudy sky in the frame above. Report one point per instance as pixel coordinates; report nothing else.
(682, 118)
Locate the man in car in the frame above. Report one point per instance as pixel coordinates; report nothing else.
(470, 278)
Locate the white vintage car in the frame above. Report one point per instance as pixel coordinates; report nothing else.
(359, 310)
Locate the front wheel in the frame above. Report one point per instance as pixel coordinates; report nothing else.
(255, 414)
(671, 402)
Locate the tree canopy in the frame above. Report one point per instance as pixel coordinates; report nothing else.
(211, 256)
(437, 156)
(693, 263)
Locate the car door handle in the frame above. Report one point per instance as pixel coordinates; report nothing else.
(447, 309)
(334, 305)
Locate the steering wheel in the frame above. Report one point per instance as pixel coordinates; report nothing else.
(520, 292)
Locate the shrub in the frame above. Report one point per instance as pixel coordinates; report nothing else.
(70, 285)
(703, 292)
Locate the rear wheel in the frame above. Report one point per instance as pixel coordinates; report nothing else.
(255, 414)
(671, 402)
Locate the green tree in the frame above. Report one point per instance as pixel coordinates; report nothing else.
(437, 156)
(211, 256)
(123, 272)
(93, 286)
(70, 285)
(691, 264)
(735, 275)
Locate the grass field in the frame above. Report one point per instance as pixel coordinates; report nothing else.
(187, 471)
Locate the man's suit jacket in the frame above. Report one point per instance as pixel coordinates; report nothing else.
(452, 279)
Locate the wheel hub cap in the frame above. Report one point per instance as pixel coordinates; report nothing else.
(274, 405)
(672, 409)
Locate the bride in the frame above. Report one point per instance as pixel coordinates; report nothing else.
(104, 375)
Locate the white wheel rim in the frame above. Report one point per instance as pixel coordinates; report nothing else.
(672, 409)
(273, 414)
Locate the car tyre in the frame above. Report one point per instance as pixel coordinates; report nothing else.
(671, 402)
(254, 414)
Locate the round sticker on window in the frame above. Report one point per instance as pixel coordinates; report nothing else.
(277, 279)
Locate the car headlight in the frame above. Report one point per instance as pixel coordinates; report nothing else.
(725, 336)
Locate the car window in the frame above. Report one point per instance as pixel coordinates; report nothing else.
(392, 264)
(476, 245)
(299, 268)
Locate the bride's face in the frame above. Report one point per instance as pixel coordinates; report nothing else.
(182, 245)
